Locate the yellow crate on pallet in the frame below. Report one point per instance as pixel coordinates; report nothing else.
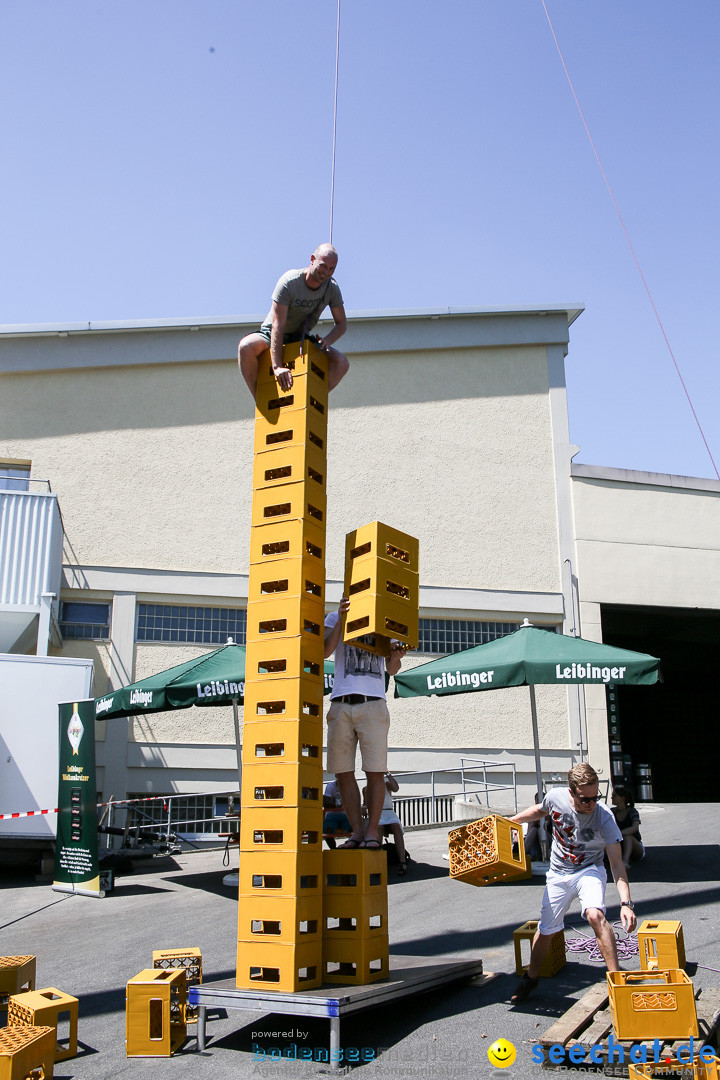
(189, 959)
(698, 1067)
(302, 616)
(555, 959)
(155, 1003)
(288, 503)
(282, 784)
(43, 1008)
(361, 871)
(652, 1004)
(286, 578)
(277, 742)
(285, 658)
(290, 464)
(294, 828)
(661, 945)
(378, 541)
(488, 850)
(27, 1051)
(278, 966)
(283, 699)
(355, 915)
(280, 919)
(356, 963)
(289, 539)
(280, 873)
(17, 974)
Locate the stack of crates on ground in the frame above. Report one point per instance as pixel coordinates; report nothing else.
(382, 582)
(355, 916)
(488, 850)
(280, 896)
(661, 945)
(555, 959)
(42, 1008)
(155, 1002)
(188, 959)
(652, 1004)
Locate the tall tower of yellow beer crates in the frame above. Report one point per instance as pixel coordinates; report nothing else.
(280, 897)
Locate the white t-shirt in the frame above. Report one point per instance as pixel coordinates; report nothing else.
(579, 840)
(356, 671)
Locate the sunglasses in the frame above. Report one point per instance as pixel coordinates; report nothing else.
(586, 798)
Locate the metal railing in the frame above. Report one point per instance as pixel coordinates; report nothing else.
(437, 807)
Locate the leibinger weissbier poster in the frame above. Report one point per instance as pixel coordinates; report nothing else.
(76, 849)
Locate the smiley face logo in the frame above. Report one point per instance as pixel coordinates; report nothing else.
(501, 1054)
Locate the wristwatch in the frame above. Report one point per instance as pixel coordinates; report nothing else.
(627, 903)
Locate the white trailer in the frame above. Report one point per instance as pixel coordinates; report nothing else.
(31, 688)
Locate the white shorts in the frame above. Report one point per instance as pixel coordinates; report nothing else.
(588, 885)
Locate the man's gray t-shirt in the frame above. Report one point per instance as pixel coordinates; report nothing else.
(579, 840)
(305, 306)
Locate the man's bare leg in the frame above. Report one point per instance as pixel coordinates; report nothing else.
(375, 800)
(338, 365)
(249, 352)
(605, 937)
(350, 795)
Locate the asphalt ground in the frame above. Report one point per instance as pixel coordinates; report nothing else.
(90, 948)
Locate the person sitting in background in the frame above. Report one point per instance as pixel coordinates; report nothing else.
(390, 823)
(335, 820)
(628, 822)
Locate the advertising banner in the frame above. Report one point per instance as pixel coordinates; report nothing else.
(76, 849)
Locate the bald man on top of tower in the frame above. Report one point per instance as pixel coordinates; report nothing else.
(298, 301)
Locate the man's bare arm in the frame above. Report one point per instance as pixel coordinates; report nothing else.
(279, 318)
(533, 813)
(338, 314)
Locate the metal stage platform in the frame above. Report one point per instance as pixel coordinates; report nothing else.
(408, 975)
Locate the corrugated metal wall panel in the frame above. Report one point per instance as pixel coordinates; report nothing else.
(30, 547)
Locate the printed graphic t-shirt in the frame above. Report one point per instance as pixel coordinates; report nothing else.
(579, 840)
(356, 671)
(302, 303)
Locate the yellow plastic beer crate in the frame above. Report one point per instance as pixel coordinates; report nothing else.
(361, 871)
(389, 616)
(487, 850)
(383, 578)
(290, 502)
(378, 541)
(282, 920)
(289, 465)
(307, 393)
(283, 699)
(356, 963)
(286, 578)
(355, 915)
(277, 742)
(287, 784)
(279, 966)
(289, 539)
(652, 1004)
(155, 1002)
(188, 959)
(285, 658)
(292, 828)
(297, 427)
(555, 959)
(43, 1008)
(301, 616)
(661, 945)
(17, 974)
(299, 360)
(26, 1051)
(280, 873)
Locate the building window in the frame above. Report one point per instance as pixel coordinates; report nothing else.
(190, 625)
(85, 620)
(444, 636)
(14, 477)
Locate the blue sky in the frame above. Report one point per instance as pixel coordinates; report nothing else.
(170, 158)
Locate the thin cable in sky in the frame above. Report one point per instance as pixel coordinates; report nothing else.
(332, 173)
(627, 237)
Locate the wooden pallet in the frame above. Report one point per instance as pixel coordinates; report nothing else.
(588, 1024)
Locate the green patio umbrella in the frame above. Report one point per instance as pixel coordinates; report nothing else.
(525, 658)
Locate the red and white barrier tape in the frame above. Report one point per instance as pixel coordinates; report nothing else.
(113, 802)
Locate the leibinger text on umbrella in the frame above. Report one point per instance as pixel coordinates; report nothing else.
(588, 671)
(141, 697)
(221, 689)
(467, 678)
(103, 706)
